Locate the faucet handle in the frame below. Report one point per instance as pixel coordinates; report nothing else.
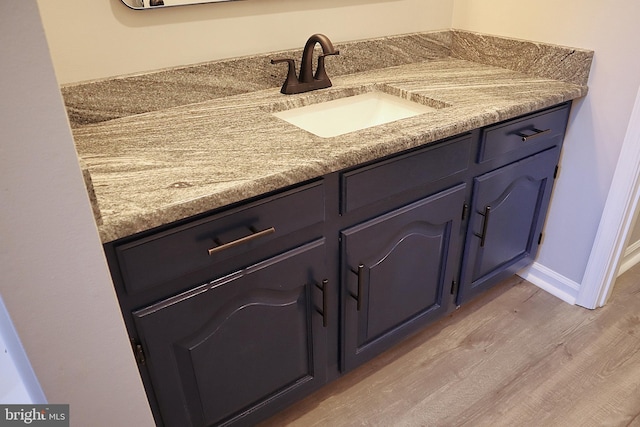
(321, 73)
(291, 80)
(279, 60)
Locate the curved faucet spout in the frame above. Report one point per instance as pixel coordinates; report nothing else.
(307, 80)
(306, 68)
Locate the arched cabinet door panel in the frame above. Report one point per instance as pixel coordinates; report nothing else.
(397, 272)
(221, 352)
(509, 205)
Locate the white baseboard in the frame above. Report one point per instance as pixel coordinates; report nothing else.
(630, 258)
(552, 282)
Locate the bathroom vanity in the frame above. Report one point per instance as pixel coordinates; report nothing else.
(255, 262)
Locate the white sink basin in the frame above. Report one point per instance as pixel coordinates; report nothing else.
(352, 113)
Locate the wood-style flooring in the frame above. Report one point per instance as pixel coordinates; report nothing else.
(515, 357)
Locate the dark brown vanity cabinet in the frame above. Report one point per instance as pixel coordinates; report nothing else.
(237, 313)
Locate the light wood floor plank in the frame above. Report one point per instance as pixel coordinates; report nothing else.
(515, 357)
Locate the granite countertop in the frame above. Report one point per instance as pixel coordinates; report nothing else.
(147, 169)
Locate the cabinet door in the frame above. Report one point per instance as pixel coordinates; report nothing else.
(508, 210)
(398, 270)
(240, 346)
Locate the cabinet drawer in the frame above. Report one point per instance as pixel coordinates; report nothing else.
(524, 135)
(201, 244)
(388, 178)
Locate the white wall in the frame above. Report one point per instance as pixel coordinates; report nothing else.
(54, 278)
(93, 39)
(598, 124)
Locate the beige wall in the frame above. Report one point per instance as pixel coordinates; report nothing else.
(635, 234)
(598, 123)
(94, 39)
(631, 255)
(54, 278)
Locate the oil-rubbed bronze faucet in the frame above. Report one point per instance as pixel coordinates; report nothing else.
(307, 80)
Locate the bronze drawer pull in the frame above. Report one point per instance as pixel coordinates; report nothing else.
(325, 303)
(536, 133)
(485, 225)
(240, 241)
(360, 273)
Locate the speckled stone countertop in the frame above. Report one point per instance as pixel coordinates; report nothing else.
(187, 155)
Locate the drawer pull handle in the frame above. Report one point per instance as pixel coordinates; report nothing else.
(536, 133)
(485, 225)
(358, 297)
(325, 303)
(256, 235)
